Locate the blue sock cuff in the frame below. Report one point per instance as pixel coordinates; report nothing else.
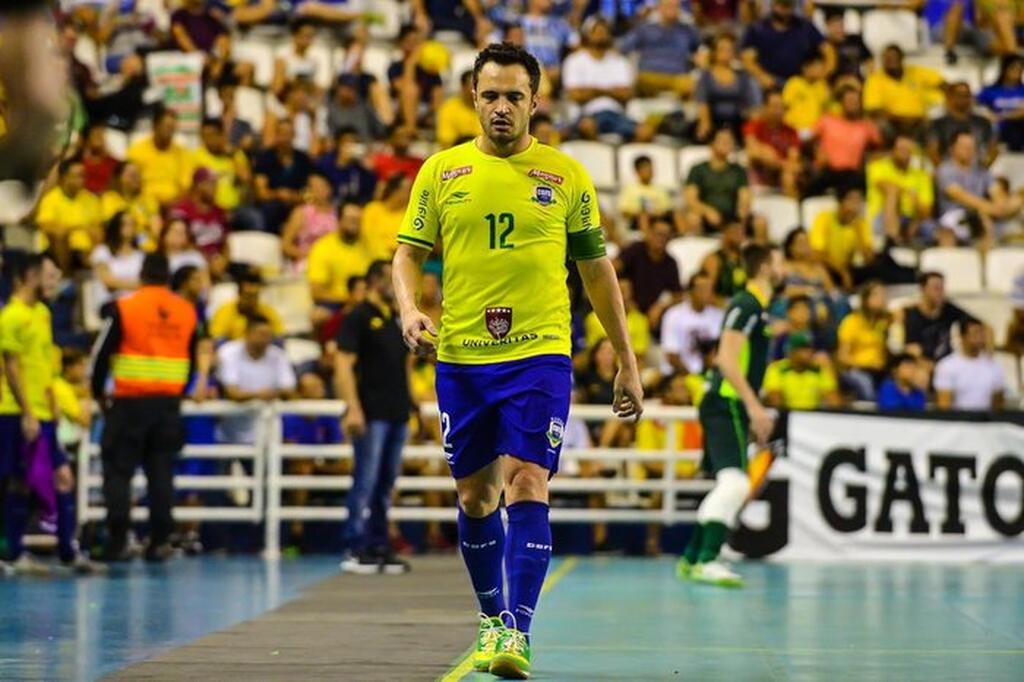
(527, 509)
(478, 520)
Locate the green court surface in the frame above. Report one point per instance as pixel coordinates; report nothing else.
(631, 619)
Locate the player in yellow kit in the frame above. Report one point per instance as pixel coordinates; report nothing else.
(508, 211)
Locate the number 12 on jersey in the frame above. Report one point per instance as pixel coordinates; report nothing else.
(508, 223)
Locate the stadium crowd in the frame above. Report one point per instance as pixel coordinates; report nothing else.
(884, 164)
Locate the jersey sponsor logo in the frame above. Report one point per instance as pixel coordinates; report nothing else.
(546, 176)
(556, 431)
(586, 212)
(499, 322)
(420, 221)
(544, 195)
(453, 173)
(490, 343)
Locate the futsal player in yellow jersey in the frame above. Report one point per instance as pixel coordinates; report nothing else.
(508, 211)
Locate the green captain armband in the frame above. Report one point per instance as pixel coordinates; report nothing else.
(586, 245)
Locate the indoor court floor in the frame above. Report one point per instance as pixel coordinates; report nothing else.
(599, 619)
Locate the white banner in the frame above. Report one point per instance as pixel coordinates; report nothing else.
(862, 487)
(179, 77)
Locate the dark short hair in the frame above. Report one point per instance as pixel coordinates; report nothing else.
(405, 30)
(787, 243)
(255, 319)
(641, 160)
(67, 164)
(928, 275)
(376, 270)
(161, 112)
(845, 189)
(181, 276)
(213, 123)
(298, 23)
(353, 281)
(799, 299)
(901, 358)
(70, 357)
(156, 269)
(249, 275)
(507, 54)
(23, 264)
(969, 322)
(754, 257)
(700, 274)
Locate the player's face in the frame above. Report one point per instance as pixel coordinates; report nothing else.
(504, 102)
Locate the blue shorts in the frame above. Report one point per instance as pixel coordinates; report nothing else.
(513, 408)
(12, 445)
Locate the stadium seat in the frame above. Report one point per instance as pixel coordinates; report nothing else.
(117, 143)
(221, 293)
(290, 298)
(642, 108)
(462, 60)
(968, 73)
(994, 310)
(961, 267)
(882, 27)
(321, 53)
(251, 107)
(258, 53)
(598, 158)
(1011, 372)
(812, 206)
(782, 214)
(376, 60)
(690, 157)
(388, 18)
(904, 256)
(1010, 166)
(1002, 267)
(256, 248)
(664, 159)
(301, 351)
(690, 253)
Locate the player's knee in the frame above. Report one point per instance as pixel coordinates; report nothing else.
(526, 483)
(479, 502)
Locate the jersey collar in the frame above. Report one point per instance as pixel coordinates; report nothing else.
(758, 294)
(481, 152)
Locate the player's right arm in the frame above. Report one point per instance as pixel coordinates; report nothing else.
(730, 347)
(416, 238)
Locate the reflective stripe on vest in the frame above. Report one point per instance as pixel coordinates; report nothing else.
(137, 367)
(156, 331)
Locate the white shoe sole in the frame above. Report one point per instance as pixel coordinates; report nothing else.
(395, 570)
(359, 569)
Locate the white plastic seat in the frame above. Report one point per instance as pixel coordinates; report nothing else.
(117, 143)
(663, 158)
(256, 248)
(1002, 267)
(1010, 166)
(643, 108)
(689, 253)
(301, 351)
(782, 214)
(391, 14)
(258, 53)
(291, 299)
(995, 310)
(376, 60)
(961, 266)
(597, 157)
(882, 27)
(690, 157)
(221, 293)
(812, 206)
(1010, 364)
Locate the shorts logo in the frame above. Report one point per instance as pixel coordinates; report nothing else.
(453, 173)
(546, 176)
(556, 431)
(544, 195)
(499, 321)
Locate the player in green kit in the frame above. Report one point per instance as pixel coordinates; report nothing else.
(731, 413)
(508, 212)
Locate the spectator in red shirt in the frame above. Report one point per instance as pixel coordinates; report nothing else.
(841, 143)
(207, 222)
(99, 165)
(773, 148)
(717, 16)
(397, 159)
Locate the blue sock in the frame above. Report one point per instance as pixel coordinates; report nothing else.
(527, 554)
(482, 542)
(16, 514)
(66, 526)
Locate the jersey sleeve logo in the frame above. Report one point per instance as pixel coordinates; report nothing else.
(453, 173)
(420, 221)
(499, 321)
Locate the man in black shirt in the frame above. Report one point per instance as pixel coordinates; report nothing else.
(960, 117)
(281, 173)
(372, 377)
(928, 323)
(852, 55)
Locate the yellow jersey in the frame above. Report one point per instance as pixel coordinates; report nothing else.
(229, 323)
(75, 217)
(226, 167)
(380, 228)
(507, 225)
(166, 173)
(332, 262)
(25, 332)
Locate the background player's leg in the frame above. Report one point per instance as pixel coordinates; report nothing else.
(482, 535)
(528, 548)
(719, 510)
(16, 517)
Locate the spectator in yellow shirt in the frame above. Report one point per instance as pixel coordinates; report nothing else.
(334, 259)
(902, 93)
(457, 118)
(231, 319)
(900, 196)
(837, 236)
(806, 96)
(800, 381)
(69, 215)
(862, 342)
(166, 166)
(382, 217)
(234, 176)
(127, 195)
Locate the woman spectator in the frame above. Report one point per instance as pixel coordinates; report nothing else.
(806, 276)
(382, 217)
(725, 94)
(862, 342)
(176, 244)
(1005, 99)
(313, 219)
(117, 262)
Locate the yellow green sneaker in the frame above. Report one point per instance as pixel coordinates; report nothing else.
(683, 568)
(715, 573)
(512, 658)
(486, 642)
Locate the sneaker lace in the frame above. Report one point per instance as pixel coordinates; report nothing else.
(489, 631)
(512, 640)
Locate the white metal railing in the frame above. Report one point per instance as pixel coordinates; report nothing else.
(90, 479)
(267, 484)
(279, 482)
